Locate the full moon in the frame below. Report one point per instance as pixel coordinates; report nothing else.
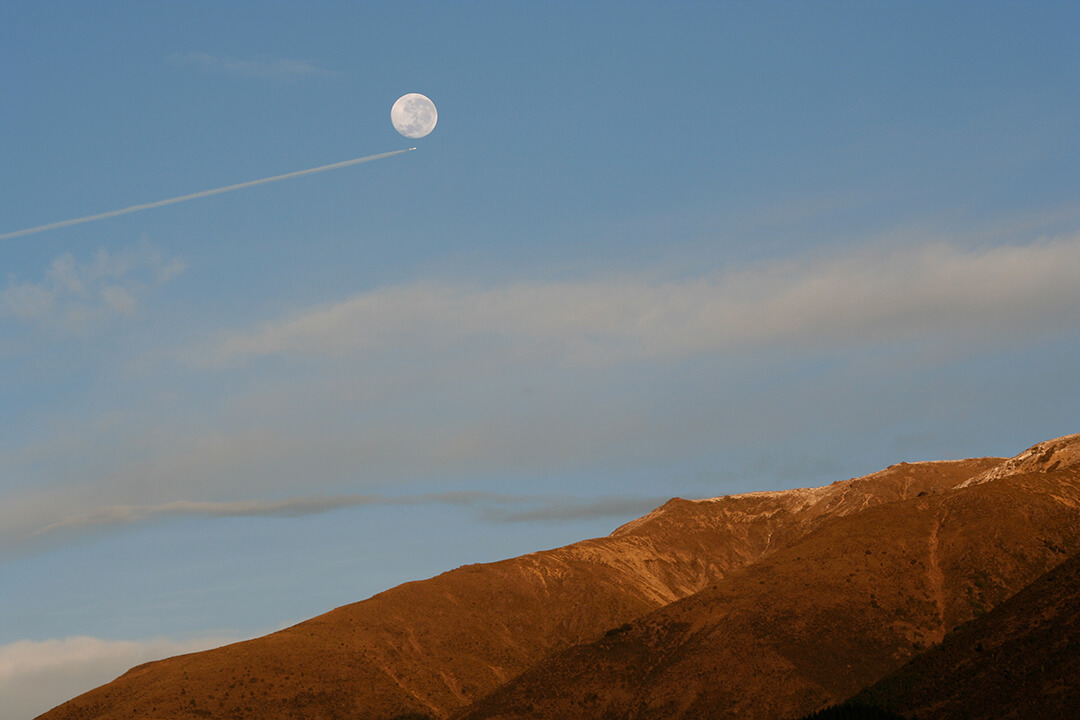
(414, 115)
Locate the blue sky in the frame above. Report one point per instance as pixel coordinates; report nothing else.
(649, 251)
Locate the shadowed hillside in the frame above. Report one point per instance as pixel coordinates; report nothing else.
(1022, 659)
(817, 592)
(853, 712)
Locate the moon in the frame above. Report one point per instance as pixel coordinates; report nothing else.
(414, 115)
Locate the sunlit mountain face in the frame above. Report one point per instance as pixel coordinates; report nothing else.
(760, 605)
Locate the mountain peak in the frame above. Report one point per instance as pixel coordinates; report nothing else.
(814, 592)
(1058, 454)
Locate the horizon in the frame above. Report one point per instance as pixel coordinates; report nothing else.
(647, 252)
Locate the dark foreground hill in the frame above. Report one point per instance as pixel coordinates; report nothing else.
(758, 606)
(1020, 660)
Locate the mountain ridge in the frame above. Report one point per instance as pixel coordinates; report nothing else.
(449, 645)
(973, 547)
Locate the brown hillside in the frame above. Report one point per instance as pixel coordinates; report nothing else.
(1020, 660)
(809, 625)
(436, 645)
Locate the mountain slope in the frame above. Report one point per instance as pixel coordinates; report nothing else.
(1022, 659)
(809, 625)
(435, 646)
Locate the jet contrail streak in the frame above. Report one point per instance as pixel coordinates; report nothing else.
(204, 193)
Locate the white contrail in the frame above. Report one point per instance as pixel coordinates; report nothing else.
(204, 193)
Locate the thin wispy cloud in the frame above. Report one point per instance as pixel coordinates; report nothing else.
(111, 515)
(867, 297)
(562, 510)
(75, 295)
(256, 67)
(495, 507)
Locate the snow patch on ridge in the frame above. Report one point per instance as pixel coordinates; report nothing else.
(1047, 456)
